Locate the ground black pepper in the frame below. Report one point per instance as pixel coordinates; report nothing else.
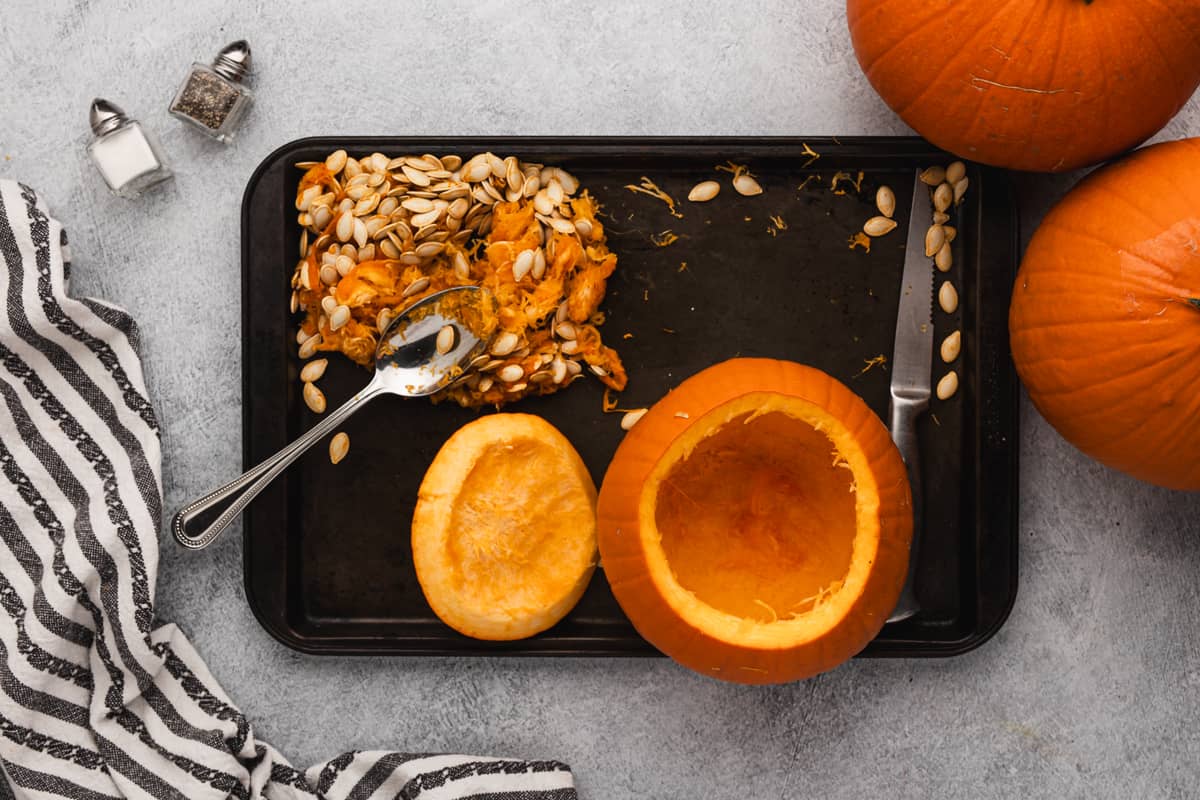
(207, 99)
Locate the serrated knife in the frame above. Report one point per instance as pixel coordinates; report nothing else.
(912, 363)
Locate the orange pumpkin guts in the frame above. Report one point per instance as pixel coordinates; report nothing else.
(504, 532)
(755, 523)
(1042, 85)
(1105, 316)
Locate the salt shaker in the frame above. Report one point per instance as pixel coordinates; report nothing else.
(126, 154)
(213, 98)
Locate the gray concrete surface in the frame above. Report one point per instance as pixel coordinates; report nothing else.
(1090, 690)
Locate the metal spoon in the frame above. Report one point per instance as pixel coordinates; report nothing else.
(407, 363)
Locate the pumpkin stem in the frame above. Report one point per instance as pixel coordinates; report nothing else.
(1194, 301)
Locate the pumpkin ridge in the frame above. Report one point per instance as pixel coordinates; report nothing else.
(931, 83)
(880, 12)
(1055, 226)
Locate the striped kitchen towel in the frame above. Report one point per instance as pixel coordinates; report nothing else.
(98, 698)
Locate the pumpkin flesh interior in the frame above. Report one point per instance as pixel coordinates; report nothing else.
(760, 521)
(516, 548)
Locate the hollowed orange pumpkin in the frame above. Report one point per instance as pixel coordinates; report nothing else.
(1105, 316)
(755, 523)
(1043, 85)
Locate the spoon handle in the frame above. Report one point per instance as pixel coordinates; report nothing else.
(246, 488)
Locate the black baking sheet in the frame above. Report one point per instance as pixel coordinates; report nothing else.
(327, 562)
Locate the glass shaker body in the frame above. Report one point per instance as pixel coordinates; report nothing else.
(211, 102)
(129, 160)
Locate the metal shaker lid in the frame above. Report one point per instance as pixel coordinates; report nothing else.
(233, 62)
(106, 117)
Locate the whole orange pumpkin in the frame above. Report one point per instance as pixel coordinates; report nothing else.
(754, 525)
(1043, 85)
(1105, 316)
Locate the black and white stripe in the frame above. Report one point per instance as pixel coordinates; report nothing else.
(98, 700)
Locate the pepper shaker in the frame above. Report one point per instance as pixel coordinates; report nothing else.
(213, 98)
(126, 154)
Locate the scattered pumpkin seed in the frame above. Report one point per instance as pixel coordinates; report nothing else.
(313, 370)
(308, 347)
(339, 446)
(951, 346)
(940, 218)
(746, 186)
(631, 417)
(951, 232)
(885, 201)
(943, 196)
(935, 237)
(703, 192)
(879, 226)
(960, 190)
(948, 297)
(314, 398)
(947, 386)
(944, 258)
(933, 176)
(955, 172)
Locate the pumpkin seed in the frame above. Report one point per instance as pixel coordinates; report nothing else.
(345, 227)
(302, 336)
(505, 343)
(584, 228)
(517, 387)
(539, 264)
(339, 318)
(416, 287)
(598, 371)
(339, 446)
(704, 191)
(631, 417)
(558, 370)
(451, 162)
(335, 161)
(746, 186)
(947, 386)
(879, 226)
(944, 258)
(940, 217)
(885, 201)
(360, 232)
(948, 297)
(565, 330)
(943, 196)
(570, 347)
(389, 249)
(313, 370)
(383, 319)
(485, 383)
(328, 303)
(329, 275)
(933, 176)
(462, 268)
(429, 249)
(951, 346)
(522, 265)
(314, 398)
(935, 237)
(415, 176)
(951, 232)
(511, 373)
(445, 339)
(574, 369)
(955, 172)
(960, 190)
(417, 205)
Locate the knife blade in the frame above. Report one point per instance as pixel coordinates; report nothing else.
(912, 362)
(912, 357)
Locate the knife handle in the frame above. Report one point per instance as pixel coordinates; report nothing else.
(903, 413)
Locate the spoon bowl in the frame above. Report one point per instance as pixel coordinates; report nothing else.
(425, 349)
